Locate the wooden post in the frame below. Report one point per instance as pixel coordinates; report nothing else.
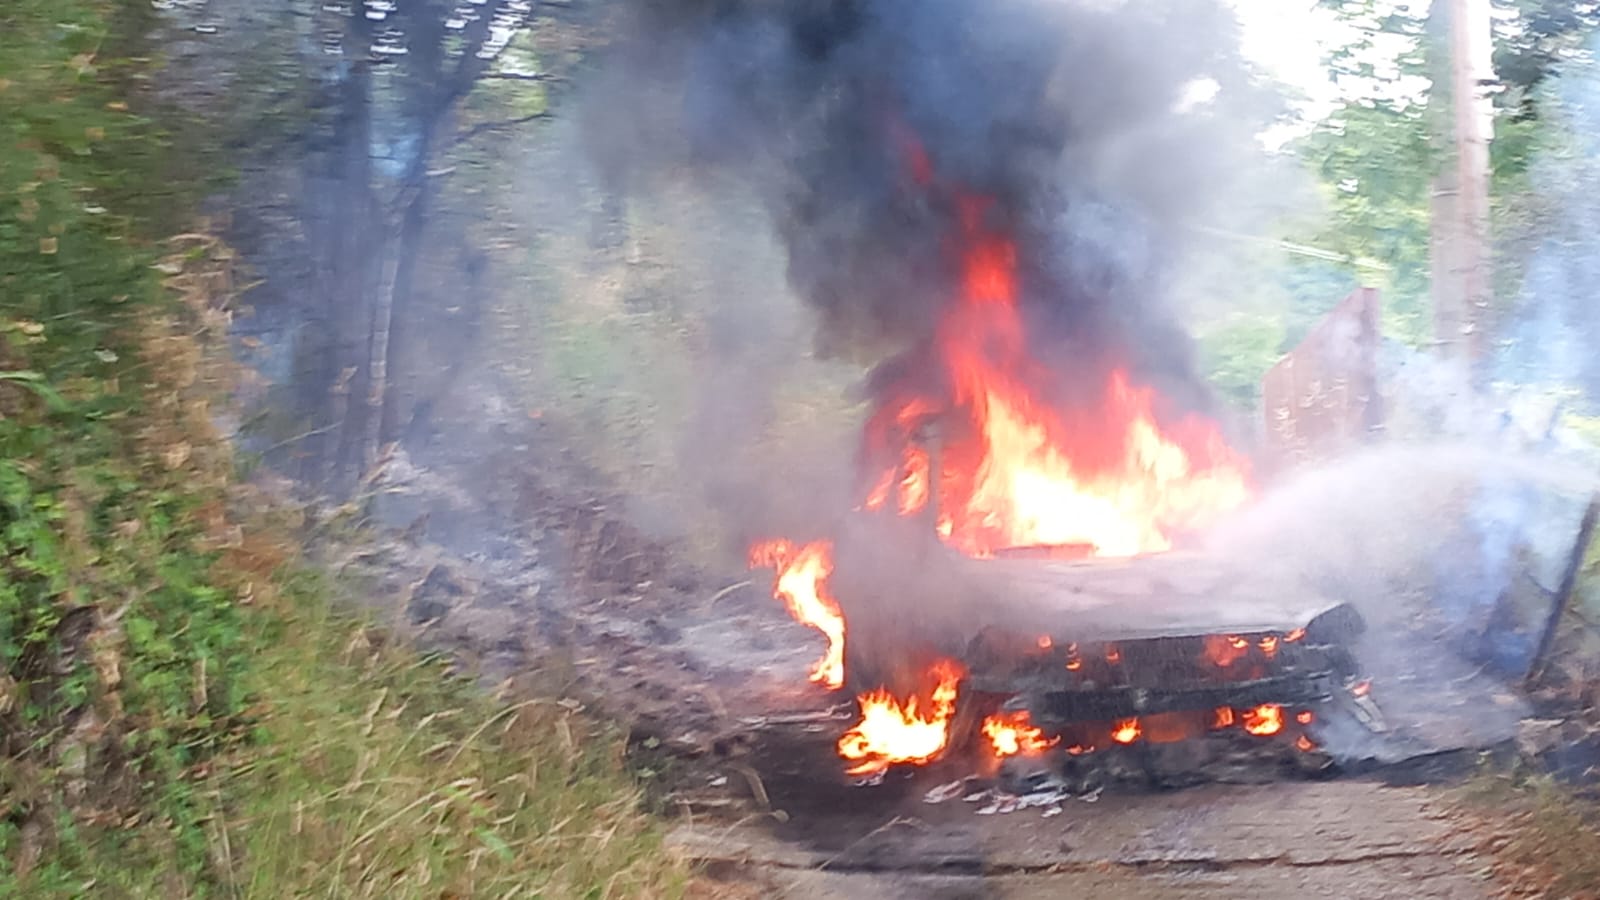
(1462, 264)
(1471, 40)
(1563, 595)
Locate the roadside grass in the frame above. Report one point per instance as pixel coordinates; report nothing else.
(386, 777)
(184, 711)
(1542, 838)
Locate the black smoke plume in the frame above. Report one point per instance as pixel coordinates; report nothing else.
(1077, 119)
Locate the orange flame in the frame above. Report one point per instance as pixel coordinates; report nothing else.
(1014, 467)
(801, 583)
(1017, 471)
(1222, 717)
(1225, 651)
(914, 485)
(1126, 731)
(1013, 733)
(893, 732)
(1304, 717)
(1264, 720)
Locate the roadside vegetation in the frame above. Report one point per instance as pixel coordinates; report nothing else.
(184, 712)
(1542, 838)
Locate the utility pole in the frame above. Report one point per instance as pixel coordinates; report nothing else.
(1462, 263)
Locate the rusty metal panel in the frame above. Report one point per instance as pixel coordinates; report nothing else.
(1322, 398)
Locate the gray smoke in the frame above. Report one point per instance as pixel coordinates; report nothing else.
(1553, 323)
(1069, 116)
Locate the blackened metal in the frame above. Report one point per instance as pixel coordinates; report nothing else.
(1338, 626)
(1057, 708)
(1363, 709)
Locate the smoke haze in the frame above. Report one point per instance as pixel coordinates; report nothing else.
(1091, 130)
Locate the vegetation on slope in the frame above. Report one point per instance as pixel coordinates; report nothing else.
(181, 713)
(1540, 836)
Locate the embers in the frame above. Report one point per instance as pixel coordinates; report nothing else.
(1109, 679)
(1167, 710)
(1163, 750)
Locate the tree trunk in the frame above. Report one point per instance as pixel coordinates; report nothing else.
(435, 92)
(1473, 70)
(411, 239)
(349, 216)
(379, 335)
(1459, 32)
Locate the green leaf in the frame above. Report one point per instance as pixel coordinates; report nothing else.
(497, 846)
(36, 383)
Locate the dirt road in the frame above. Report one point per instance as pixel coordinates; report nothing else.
(1344, 839)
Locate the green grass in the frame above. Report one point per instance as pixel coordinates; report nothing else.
(389, 779)
(1542, 840)
(182, 711)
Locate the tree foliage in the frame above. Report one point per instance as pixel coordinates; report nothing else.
(1376, 155)
(391, 88)
(1374, 162)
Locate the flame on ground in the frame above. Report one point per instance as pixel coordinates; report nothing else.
(914, 731)
(1011, 733)
(801, 582)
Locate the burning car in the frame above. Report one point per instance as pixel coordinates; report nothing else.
(1046, 515)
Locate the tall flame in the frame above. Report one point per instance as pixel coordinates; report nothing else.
(1009, 467)
(1016, 471)
(910, 732)
(801, 582)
